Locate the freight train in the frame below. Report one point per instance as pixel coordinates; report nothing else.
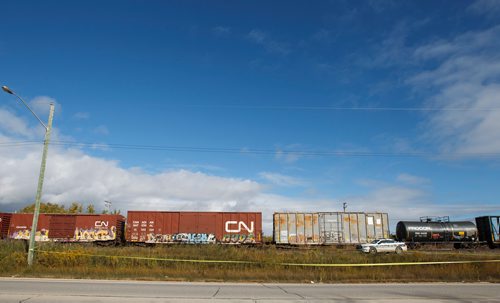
(291, 229)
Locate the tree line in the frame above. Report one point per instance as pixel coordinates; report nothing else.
(74, 208)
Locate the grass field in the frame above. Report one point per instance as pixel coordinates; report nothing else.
(265, 264)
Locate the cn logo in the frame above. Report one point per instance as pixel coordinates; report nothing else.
(238, 226)
(101, 223)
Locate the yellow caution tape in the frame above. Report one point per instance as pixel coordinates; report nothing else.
(390, 264)
(283, 264)
(151, 259)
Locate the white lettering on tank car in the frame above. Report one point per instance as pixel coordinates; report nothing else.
(419, 228)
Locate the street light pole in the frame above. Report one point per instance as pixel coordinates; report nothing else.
(48, 128)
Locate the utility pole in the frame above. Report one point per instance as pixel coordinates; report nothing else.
(48, 128)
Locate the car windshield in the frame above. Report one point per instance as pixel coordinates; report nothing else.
(374, 242)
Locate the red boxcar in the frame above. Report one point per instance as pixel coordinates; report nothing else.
(68, 227)
(194, 227)
(4, 225)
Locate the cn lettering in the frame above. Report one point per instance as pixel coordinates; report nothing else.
(238, 226)
(101, 223)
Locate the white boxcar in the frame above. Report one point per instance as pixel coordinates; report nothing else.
(329, 228)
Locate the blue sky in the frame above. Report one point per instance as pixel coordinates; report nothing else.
(291, 106)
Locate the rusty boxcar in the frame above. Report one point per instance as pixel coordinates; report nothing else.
(69, 227)
(194, 227)
(329, 228)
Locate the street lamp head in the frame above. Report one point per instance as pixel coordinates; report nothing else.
(7, 90)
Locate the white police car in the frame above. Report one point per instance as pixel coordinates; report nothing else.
(383, 245)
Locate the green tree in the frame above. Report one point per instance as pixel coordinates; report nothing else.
(45, 208)
(90, 209)
(75, 208)
(113, 212)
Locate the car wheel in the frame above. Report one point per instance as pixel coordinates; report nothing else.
(399, 250)
(373, 250)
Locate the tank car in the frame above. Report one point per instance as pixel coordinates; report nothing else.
(436, 232)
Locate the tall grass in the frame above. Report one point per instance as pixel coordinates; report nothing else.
(87, 261)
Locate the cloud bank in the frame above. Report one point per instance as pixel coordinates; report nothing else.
(466, 75)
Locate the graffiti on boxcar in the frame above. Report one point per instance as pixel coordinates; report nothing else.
(186, 238)
(95, 234)
(238, 238)
(333, 236)
(24, 234)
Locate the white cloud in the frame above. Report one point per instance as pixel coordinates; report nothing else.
(466, 76)
(41, 106)
(28, 126)
(97, 179)
(282, 180)
(485, 7)
(412, 180)
(471, 43)
(14, 125)
(391, 199)
(394, 49)
(288, 154)
(71, 175)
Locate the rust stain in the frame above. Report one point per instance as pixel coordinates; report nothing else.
(300, 221)
(282, 220)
